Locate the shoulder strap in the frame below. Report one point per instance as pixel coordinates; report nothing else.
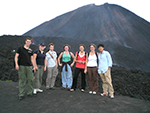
(51, 56)
(97, 57)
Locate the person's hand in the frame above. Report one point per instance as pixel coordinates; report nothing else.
(85, 71)
(83, 62)
(71, 65)
(45, 68)
(36, 68)
(17, 67)
(60, 64)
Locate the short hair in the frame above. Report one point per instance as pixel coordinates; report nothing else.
(51, 44)
(28, 38)
(100, 45)
(82, 45)
(92, 45)
(66, 45)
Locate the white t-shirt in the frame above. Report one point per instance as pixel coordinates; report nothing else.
(92, 61)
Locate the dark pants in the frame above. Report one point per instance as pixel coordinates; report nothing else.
(75, 78)
(93, 78)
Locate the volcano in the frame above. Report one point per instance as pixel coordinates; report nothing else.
(124, 34)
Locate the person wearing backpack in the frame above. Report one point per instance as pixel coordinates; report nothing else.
(66, 65)
(80, 59)
(39, 59)
(24, 68)
(51, 62)
(91, 68)
(104, 67)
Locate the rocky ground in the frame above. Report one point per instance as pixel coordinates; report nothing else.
(62, 101)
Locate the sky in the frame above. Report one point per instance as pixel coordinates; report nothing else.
(20, 16)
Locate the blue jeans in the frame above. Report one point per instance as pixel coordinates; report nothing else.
(66, 77)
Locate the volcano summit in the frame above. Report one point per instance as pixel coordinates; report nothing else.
(125, 35)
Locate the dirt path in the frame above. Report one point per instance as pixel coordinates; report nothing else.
(62, 101)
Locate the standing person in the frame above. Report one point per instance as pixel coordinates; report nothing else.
(23, 63)
(80, 59)
(39, 59)
(91, 59)
(104, 67)
(66, 65)
(51, 62)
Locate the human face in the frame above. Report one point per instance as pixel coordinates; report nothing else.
(51, 47)
(92, 48)
(66, 48)
(28, 42)
(101, 49)
(41, 48)
(81, 48)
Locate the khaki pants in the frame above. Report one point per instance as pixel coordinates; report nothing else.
(38, 77)
(107, 83)
(51, 76)
(25, 75)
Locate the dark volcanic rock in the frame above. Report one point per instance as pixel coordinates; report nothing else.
(125, 35)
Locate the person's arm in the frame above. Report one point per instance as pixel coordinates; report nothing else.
(32, 61)
(59, 58)
(85, 70)
(75, 58)
(16, 61)
(45, 64)
(109, 60)
(72, 55)
(34, 58)
(56, 62)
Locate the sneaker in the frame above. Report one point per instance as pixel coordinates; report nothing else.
(47, 88)
(94, 93)
(112, 97)
(71, 90)
(52, 88)
(62, 88)
(68, 89)
(90, 92)
(34, 92)
(82, 90)
(103, 94)
(39, 90)
(21, 97)
(31, 95)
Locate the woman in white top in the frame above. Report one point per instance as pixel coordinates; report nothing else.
(91, 68)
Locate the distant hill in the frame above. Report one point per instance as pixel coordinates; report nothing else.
(125, 35)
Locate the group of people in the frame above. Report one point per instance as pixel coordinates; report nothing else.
(31, 65)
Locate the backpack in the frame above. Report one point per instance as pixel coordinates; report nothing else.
(78, 54)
